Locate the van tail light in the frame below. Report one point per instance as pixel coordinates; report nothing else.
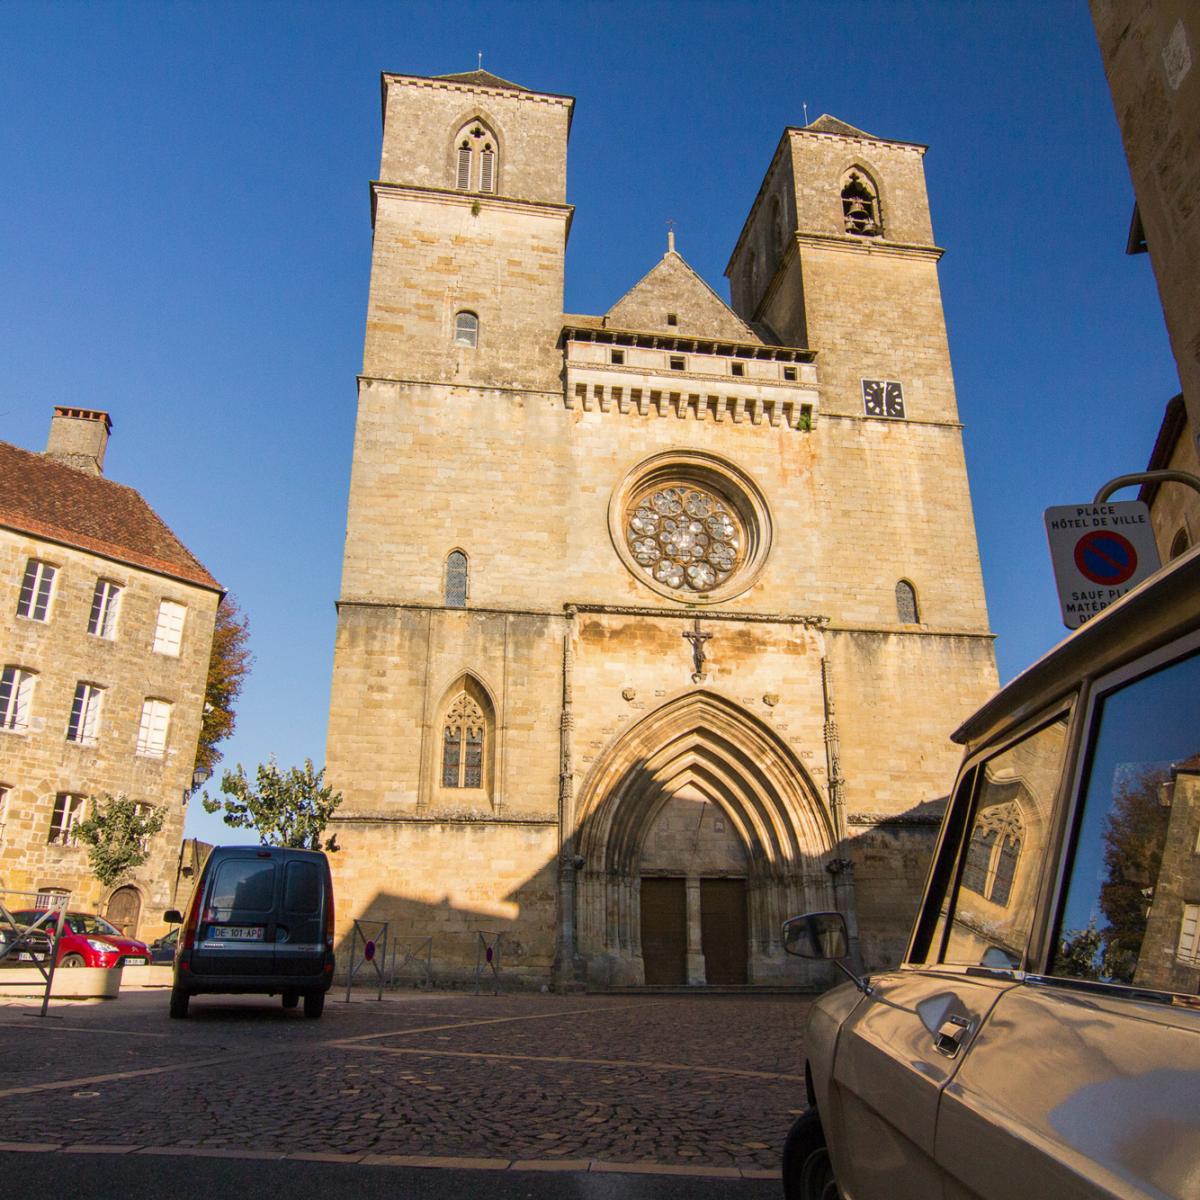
(193, 920)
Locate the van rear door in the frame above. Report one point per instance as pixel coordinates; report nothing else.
(236, 935)
(300, 934)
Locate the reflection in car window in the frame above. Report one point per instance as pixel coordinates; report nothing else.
(82, 923)
(992, 909)
(244, 883)
(1131, 911)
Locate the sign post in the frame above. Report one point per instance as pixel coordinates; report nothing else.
(1099, 552)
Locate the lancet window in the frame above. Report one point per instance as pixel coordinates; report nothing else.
(463, 734)
(860, 205)
(475, 158)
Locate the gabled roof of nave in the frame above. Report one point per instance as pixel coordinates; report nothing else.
(47, 499)
(672, 286)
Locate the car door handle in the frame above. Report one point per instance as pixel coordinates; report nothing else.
(949, 1038)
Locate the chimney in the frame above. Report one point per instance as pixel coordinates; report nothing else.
(78, 438)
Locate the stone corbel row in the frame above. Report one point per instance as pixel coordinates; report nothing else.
(754, 409)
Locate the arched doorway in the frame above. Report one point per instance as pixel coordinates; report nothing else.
(761, 857)
(124, 910)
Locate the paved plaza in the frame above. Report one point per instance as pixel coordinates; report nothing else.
(699, 1086)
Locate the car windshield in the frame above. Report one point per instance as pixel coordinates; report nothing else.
(89, 924)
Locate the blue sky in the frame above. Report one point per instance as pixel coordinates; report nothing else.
(185, 233)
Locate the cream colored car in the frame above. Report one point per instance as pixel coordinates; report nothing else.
(1042, 1037)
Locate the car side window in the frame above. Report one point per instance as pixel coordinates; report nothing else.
(1132, 906)
(992, 904)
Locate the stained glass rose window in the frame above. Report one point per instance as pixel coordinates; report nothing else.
(686, 537)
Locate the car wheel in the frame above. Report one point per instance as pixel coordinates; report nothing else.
(807, 1171)
(179, 1003)
(314, 1004)
(291, 999)
(71, 960)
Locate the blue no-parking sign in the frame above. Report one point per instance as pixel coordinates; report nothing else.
(1099, 552)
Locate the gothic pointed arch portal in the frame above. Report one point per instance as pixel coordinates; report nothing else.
(704, 748)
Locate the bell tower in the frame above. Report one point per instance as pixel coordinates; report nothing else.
(470, 225)
(838, 254)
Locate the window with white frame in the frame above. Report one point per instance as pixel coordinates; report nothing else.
(4, 790)
(84, 723)
(153, 727)
(16, 698)
(168, 633)
(51, 898)
(1189, 936)
(68, 812)
(36, 590)
(106, 603)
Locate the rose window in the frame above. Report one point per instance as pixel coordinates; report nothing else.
(686, 537)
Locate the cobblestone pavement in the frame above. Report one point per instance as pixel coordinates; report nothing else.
(707, 1082)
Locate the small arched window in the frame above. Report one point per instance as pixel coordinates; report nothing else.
(906, 603)
(475, 158)
(1179, 544)
(456, 579)
(466, 329)
(463, 735)
(860, 206)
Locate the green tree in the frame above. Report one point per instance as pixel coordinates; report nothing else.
(228, 665)
(117, 834)
(1133, 844)
(286, 808)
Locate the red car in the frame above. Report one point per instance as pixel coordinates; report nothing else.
(90, 941)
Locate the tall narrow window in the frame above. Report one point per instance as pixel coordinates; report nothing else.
(1179, 544)
(168, 633)
(475, 158)
(106, 602)
(84, 723)
(1189, 936)
(906, 603)
(68, 812)
(4, 790)
(36, 588)
(466, 329)
(463, 729)
(860, 206)
(456, 580)
(16, 698)
(153, 727)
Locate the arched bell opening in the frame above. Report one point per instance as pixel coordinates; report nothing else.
(703, 755)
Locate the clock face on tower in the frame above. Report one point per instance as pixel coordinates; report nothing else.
(883, 398)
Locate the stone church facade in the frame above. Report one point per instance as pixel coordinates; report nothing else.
(653, 625)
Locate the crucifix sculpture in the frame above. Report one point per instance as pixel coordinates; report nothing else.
(697, 639)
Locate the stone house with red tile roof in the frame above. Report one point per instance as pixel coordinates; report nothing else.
(106, 623)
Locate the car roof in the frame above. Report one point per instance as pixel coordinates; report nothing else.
(1156, 612)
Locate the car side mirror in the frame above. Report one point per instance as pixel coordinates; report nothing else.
(173, 916)
(818, 935)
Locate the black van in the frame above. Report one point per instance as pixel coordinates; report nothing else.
(259, 921)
